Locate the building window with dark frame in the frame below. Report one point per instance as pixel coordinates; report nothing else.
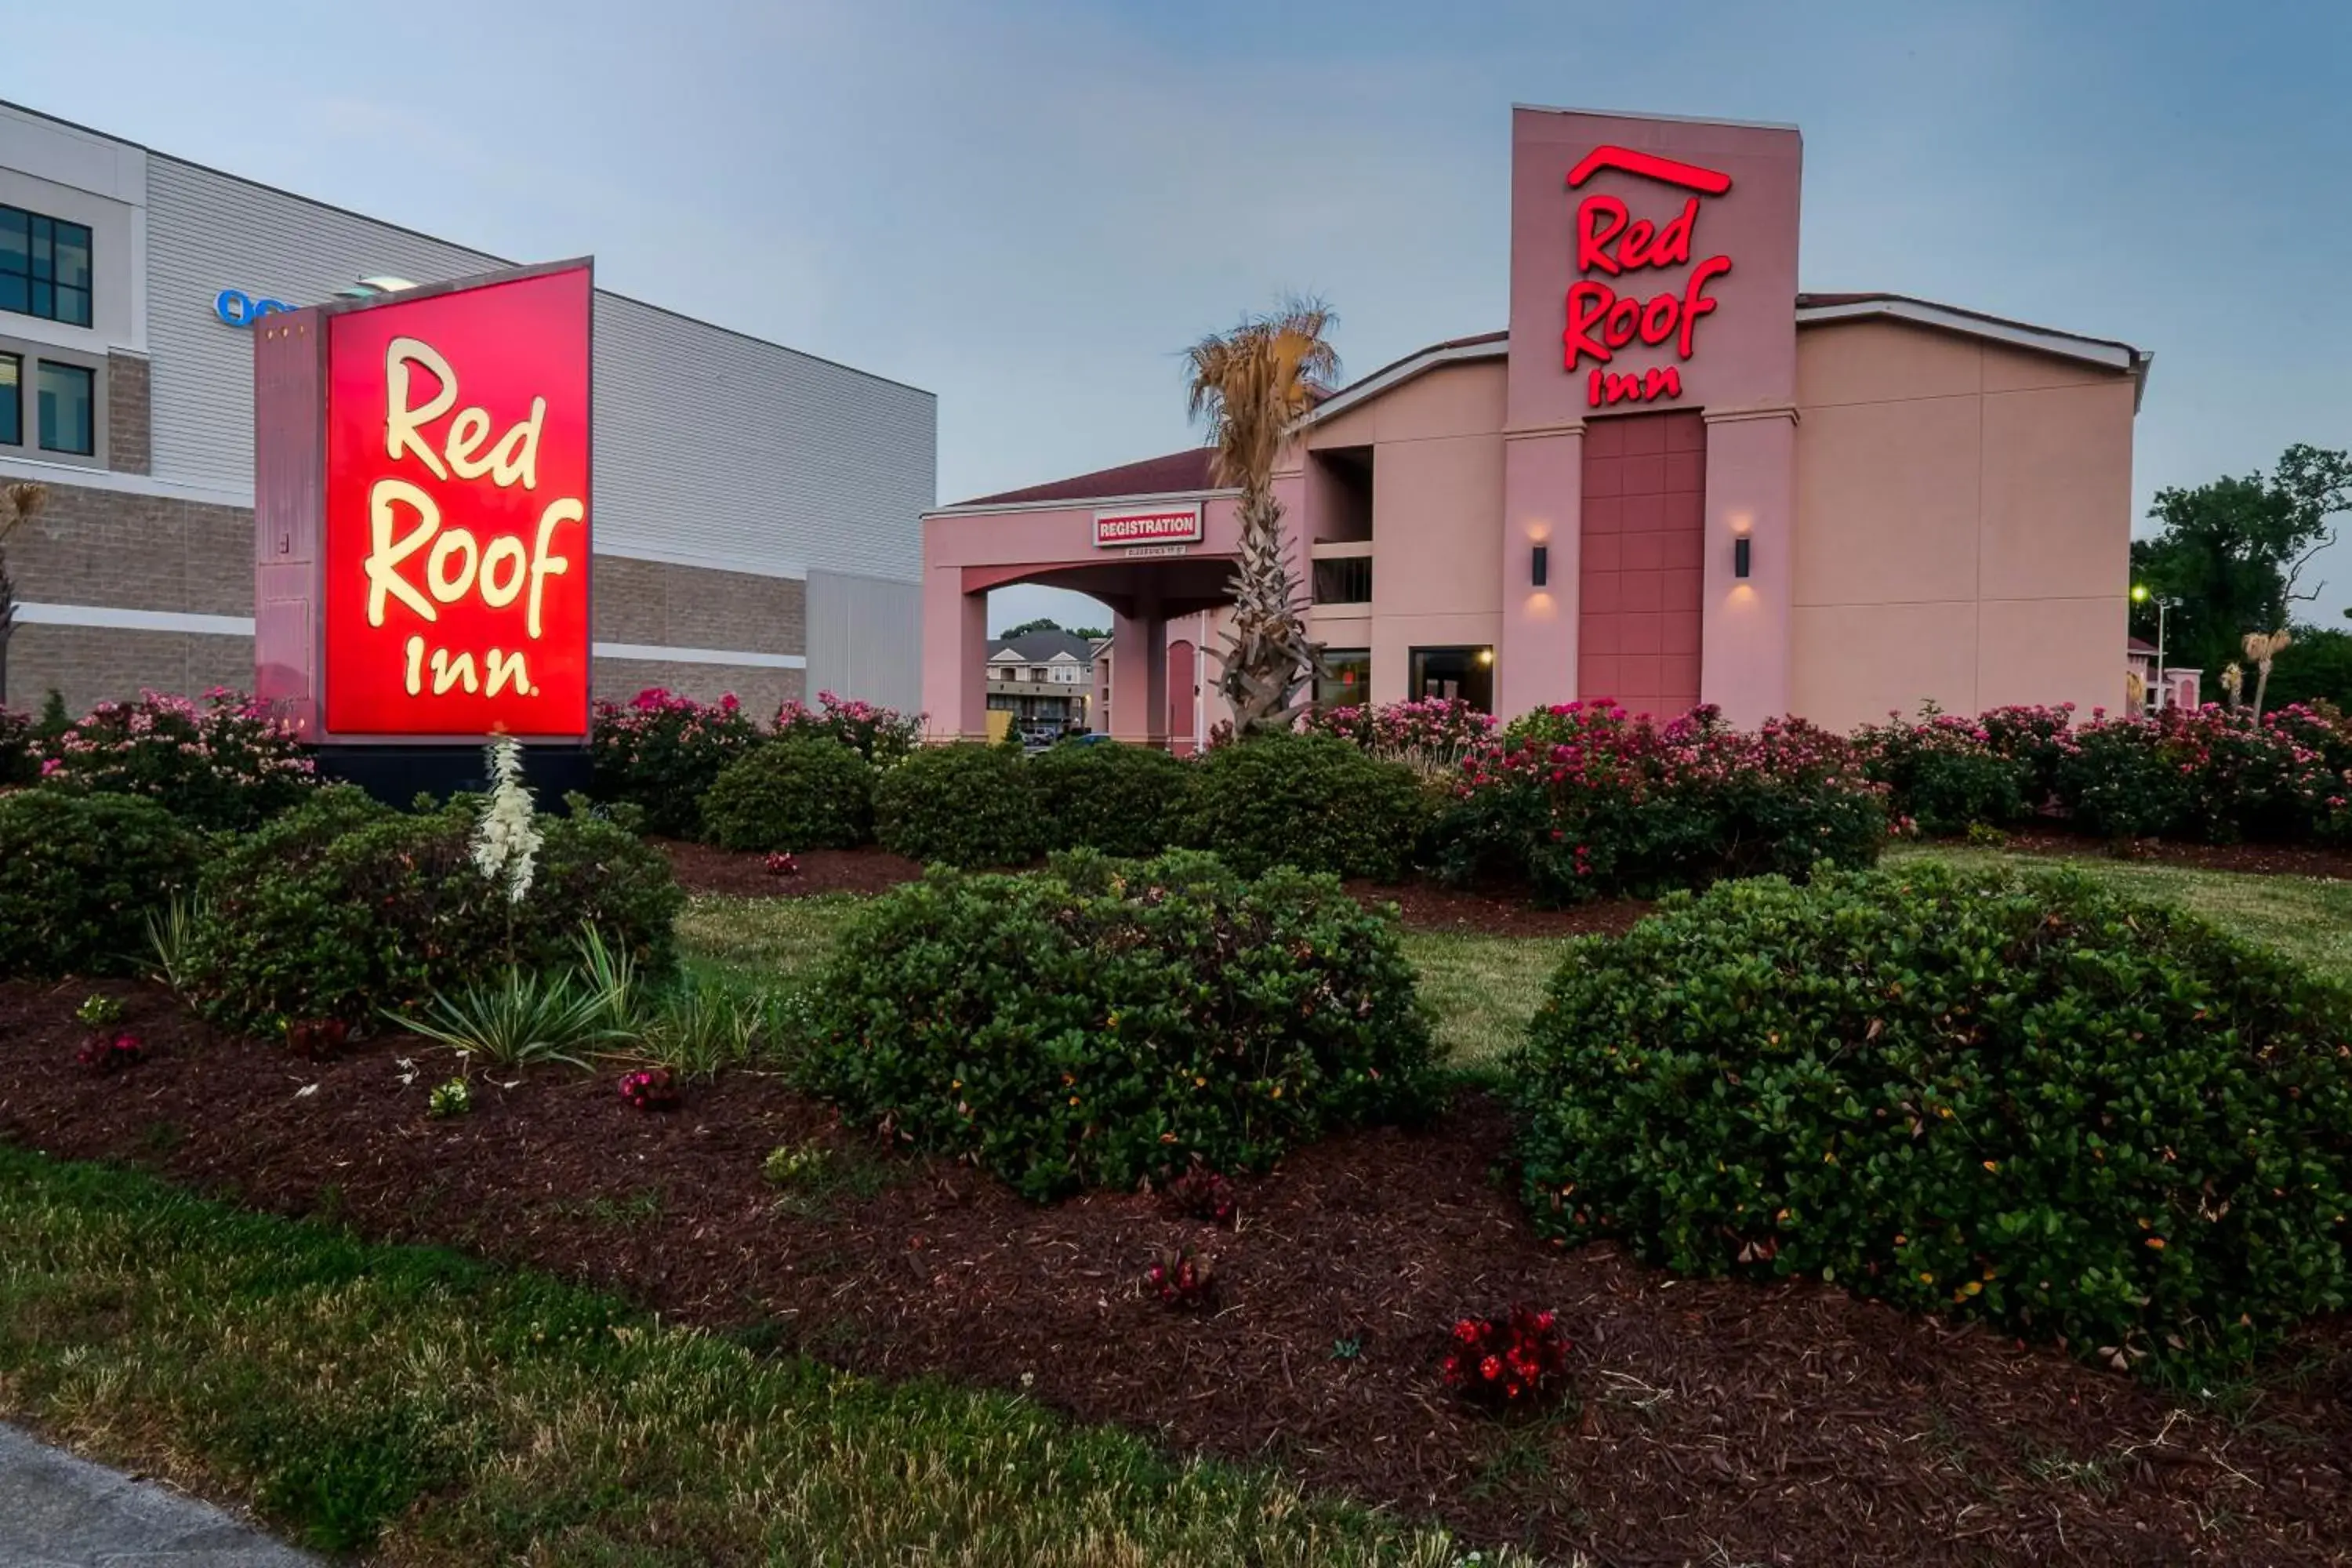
(1346, 681)
(12, 400)
(44, 266)
(1464, 673)
(66, 396)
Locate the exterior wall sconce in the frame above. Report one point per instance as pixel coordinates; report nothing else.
(1739, 556)
(1541, 572)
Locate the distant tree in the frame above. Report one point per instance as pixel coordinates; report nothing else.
(2230, 557)
(1092, 633)
(2317, 667)
(1041, 623)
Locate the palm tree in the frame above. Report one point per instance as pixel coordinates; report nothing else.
(1253, 384)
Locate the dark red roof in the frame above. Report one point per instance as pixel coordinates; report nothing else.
(1176, 472)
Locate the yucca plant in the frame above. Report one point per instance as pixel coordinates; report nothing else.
(696, 1029)
(170, 933)
(522, 1020)
(1254, 384)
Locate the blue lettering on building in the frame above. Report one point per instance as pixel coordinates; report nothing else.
(237, 307)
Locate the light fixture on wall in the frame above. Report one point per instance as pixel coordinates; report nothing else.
(1485, 656)
(1540, 573)
(1739, 556)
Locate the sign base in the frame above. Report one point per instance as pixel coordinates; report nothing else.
(396, 775)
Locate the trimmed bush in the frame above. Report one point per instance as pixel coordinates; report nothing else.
(1585, 801)
(963, 805)
(1309, 802)
(345, 909)
(2079, 1116)
(1104, 1021)
(808, 794)
(78, 877)
(661, 753)
(227, 764)
(2116, 780)
(1119, 799)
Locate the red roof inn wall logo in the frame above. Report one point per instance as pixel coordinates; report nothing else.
(1614, 249)
(456, 556)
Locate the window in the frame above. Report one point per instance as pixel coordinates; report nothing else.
(1347, 680)
(1343, 580)
(1467, 673)
(65, 396)
(43, 267)
(12, 401)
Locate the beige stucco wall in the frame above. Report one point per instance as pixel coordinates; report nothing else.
(1963, 525)
(1437, 491)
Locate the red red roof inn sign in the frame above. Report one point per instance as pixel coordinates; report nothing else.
(420, 509)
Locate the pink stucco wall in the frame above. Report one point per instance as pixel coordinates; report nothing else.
(1963, 525)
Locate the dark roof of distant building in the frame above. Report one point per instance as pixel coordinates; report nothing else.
(1039, 647)
(1189, 471)
(2141, 645)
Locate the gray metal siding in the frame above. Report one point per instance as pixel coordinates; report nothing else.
(866, 639)
(206, 232)
(712, 449)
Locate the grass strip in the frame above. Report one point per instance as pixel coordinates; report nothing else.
(429, 1409)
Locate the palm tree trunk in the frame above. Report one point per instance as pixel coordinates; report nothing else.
(1267, 656)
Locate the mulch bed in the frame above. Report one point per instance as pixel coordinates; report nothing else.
(700, 868)
(1711, 1420)
(1425, 906)
(2260, 860)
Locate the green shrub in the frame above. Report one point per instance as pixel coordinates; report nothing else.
(964, 804)
(1104, 1021)
(1310, 802)
(345, 909)
(812, 793)
(661, 753)
(2030, 1100)
(79, 875)
(1119, 799)
(20, 750)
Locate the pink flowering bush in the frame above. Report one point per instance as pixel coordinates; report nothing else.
(881, 735)
(2209, 774)
(1439, 726)
(1942, 773)
(1583, 800)
(661, 753)
(225, 764)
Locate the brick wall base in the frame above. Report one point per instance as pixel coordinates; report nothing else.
(111, 550)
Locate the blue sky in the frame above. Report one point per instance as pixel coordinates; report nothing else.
(1030, 207)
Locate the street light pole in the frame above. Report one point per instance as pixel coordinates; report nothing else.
(2162, 695)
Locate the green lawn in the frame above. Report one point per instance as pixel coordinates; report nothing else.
(430, 1410)
(2307, 917)
(1484, 987)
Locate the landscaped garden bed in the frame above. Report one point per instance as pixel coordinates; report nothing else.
(1786, 1421)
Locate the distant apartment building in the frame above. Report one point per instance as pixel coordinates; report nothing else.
(1040, 678)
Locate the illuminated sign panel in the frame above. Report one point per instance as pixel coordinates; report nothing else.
(1156, 525)
(454, 559)
(1613, 248)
